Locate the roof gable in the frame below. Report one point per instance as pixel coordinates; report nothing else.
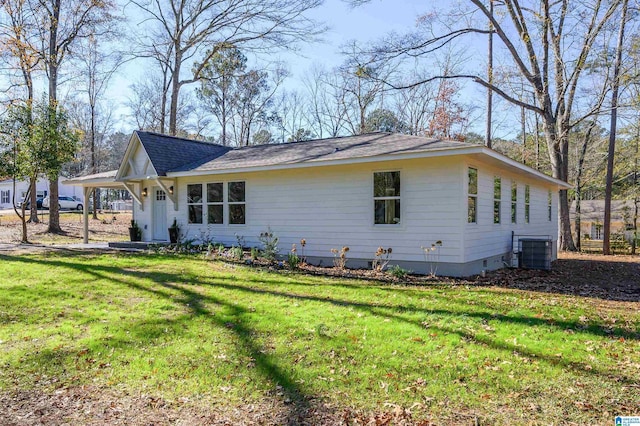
(169, 152)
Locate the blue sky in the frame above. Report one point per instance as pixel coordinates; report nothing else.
(364, 23)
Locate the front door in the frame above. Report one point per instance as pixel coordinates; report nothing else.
(160, 231)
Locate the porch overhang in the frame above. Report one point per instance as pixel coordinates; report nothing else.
(88, 184)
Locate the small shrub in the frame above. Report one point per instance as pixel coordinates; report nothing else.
(292, 258)
(269, 245)
(240, 240)
(340, 257)
(398, 272)
(381, 259)
(255, 253)
(236, 253)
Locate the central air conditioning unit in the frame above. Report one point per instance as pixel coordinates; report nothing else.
(535, 253)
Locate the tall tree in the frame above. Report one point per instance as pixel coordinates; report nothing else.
(606, 243)
(547, 44)
(219, 78)
(96, 69)
(188, 26)
(61, 26)
(18, 38)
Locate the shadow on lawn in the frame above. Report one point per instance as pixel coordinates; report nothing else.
(195, 303)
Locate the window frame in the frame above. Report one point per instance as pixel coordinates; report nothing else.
(214, 203)
(527, 204)
(472, 196)
(5, 195)
(549, 204)
(230, 203)
(397, 198)
(497, 200)
(191, 204)
(514, 201)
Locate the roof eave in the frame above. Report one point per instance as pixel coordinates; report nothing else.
(440, 152)
(432, 153)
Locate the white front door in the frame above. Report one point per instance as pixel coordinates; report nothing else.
(160, 231)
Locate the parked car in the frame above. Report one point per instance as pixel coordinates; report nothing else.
(28, 203)
(64, 202)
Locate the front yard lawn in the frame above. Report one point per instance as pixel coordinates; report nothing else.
(221, 337)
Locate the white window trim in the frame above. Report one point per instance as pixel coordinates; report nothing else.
(514, 203)
(527, 204)
(397, 225)
(498, 200)
(470, 195)
(213, 203)
(201, 203)
(228, 203)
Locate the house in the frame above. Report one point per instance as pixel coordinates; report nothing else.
(42, 189)
(592, 218)
(364, 192)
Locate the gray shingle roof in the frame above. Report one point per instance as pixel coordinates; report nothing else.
(319, 150)
(168, 152)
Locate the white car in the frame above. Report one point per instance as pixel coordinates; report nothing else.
(64, 202)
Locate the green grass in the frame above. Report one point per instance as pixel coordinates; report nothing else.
(183, 326)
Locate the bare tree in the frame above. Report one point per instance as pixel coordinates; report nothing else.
(187, 26)
(327, 102)
(606, 243)
(61, 25)
(549, 45)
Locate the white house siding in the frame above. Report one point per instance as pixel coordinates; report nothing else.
(486, 241)
(332, 206)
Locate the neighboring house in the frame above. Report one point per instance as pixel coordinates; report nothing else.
(592, 217)
(42, 190)
(366, 191)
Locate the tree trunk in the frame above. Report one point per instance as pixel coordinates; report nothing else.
(54, 211)
(487, 141)
(33, 217)
(175, 93)
(606, 243)
(558, 149)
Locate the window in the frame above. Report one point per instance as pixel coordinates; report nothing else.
(549, 199)
(194, 203)
(160, 195)
(386, 198)
(4, 197)
(497, 196)
(215, 206)
(514, 201)
(472, 196)
(237, 203)
(526, 203)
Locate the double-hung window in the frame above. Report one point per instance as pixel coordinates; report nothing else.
(386, 198)
(526, 203)
(237, 203)
(549, 201)
(497, 196)
(472, 196)
(215, 203)
(4, 197)
(514, 201)
(194, 203)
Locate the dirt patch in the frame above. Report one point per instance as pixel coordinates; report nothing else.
(89, 405)
(110, 226)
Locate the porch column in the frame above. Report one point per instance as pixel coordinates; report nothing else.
(85, 214)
